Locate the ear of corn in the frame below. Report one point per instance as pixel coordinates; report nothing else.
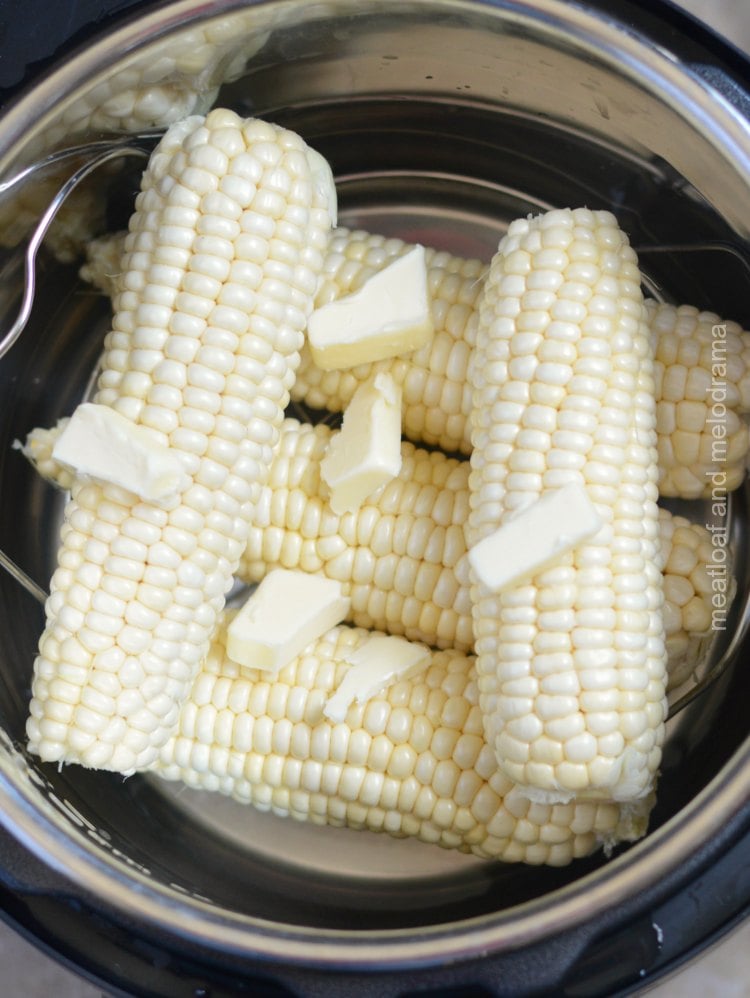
(571, 663)
(687, 555)
(221, 266)
(37, 448)
(702, 375)
(147, 93)
(102, 267)
(436, 397)
(82, 213)
(184, 80)
(414, 530)
(396, 556)
(437, 401)
(411, 761)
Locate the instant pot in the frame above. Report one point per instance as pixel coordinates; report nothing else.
(442, 120)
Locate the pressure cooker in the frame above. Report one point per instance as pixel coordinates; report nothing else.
(441, 119)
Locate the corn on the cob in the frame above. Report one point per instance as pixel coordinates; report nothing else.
(183, 79)
(150, 92)
(222, 262)
(82, 213)
(37, 449)
(702, 373)
(102, 267)
(409, 531)
(688, 559)
(572, 662)
(411, 761)
(396, 556)
(437, 408)
(436, 396)
(437, 402)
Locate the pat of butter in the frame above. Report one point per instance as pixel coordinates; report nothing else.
(366, 451)
(286, 612)
(535, 537)
(99, 442)
(380, 661)
(388, 316)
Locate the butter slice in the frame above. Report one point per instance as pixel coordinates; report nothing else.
(380, 661)
(99, 442)
(535, 537)
(286, 612)
(388, 316)
(366, 452)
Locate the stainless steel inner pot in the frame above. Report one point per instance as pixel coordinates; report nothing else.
(443, 120)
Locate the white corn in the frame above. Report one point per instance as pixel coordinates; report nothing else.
(411, 761)
(696, 586)
(396, 556)
(436, 395)
(82, 213)
(37, 449)
(437, 401)
(183, 80)
(702, 374)
(221, 265)
(572, 663)
(148, 93)
(402, 556)
(104, 262)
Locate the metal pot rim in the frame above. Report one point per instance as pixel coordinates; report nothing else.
(658, 863)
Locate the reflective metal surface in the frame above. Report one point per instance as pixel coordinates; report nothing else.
(93, 158)
(539, 103)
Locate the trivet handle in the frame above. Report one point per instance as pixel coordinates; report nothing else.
(99, 153)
